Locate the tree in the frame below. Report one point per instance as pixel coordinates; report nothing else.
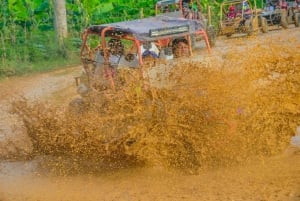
(60, 19)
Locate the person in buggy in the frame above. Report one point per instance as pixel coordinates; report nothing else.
(269, 7)
(296, 5)
(231, 12)
(281, 4)
(246, 10)
(191, 10)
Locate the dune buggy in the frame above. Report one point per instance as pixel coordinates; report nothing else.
(239, 16)
(109, 47)
(293, 12)
(189, 9)
(281, 13)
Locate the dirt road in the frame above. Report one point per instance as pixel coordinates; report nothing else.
(47, 87)
(273, 179)
(266, 179)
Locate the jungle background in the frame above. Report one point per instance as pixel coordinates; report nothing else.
(28, 41)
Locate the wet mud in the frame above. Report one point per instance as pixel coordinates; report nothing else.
(205, 117)
(212, 129)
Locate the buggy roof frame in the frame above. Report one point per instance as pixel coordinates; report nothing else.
(141, 29)
(234, 2)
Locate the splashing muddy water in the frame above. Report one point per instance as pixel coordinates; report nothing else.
(210, 116)
(207, 117)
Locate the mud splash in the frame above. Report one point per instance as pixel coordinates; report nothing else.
(207, 117)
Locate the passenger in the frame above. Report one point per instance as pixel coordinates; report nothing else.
(149, 50)
(166, 9)
(231, 13)
(190, 10)
(281, 4)
(247, 12)
(269, 7)
(284, 5)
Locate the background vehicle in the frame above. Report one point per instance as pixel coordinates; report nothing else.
(238, 16)
(106, 48)
(281, 13)
(188, 9)
(293, 12)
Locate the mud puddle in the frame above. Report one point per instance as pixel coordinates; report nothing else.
(271, 179)
(216, 134)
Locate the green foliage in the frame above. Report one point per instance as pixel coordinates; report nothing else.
(27, 26)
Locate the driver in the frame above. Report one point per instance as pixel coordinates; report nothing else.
(246, 10)
(231, 13)
(190, 10)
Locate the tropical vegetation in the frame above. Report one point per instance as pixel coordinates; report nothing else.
(27, 36)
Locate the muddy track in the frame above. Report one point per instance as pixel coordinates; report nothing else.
(55, 87)
(268, 179)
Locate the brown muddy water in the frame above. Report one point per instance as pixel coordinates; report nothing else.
(218, 129)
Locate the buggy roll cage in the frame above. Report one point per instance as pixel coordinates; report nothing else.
(163, 32)
(237, 2)
(161, 37)
(103, 33)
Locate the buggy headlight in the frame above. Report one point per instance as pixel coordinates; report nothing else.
(168, 31)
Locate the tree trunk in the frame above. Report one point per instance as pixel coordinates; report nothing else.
(60, 19)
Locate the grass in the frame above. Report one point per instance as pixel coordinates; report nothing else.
(15, 68)
(39, 53)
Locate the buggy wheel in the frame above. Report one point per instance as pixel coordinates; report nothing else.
(77, 106)
(297, 19)
(264, 25)
(249, 27)
(228, 35)
(211, 34)
(181, 48)
(283, 20)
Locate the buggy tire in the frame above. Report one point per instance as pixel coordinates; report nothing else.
(297, 19)
(264, 25)
(211, 35)
(283, 20)
(249, 27)
(76, 106)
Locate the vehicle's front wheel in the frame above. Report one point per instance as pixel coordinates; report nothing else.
(228, 35)
(297, 19)
(283, 20)
(212, 36)
(249, 27)
(77, 106)
(264, 25)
